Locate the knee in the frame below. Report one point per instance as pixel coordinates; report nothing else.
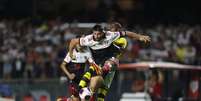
(96, 82)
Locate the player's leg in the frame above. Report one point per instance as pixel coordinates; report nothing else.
(97, 80)
(75, 99)
(89, 79)
(74, 95)
(73, 89)
(86, 77)
(102, 92)
(89, 92)
(111, 64)
(95, 83)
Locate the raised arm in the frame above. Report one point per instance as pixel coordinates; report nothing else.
(136, 36)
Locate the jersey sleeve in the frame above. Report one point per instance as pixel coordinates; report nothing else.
(113, 35)
(67, 59)
(86, 41)
(122, 33)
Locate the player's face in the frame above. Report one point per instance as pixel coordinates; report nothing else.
(98, 35)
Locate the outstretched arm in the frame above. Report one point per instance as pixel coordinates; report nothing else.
(136, 36)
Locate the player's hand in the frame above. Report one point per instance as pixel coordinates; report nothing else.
(145, 38)
(97, 68)
(71, 76)
(99, 71)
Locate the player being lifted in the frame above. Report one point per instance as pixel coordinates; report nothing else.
(74, 69)
(104, 52)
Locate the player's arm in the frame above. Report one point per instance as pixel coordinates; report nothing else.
(64, 67)
(71, 76)
(136, 36)
(82, 41)
(72, 46)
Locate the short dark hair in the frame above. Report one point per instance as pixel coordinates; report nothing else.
(97, 28)
(116, 25)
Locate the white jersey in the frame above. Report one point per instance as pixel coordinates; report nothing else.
(96, 45)
(80, 57)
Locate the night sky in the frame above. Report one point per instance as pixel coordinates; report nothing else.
(186, 11)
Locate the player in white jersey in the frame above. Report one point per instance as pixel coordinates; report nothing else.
(104, 52)
(74, 69)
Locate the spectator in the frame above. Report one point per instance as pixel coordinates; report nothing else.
(138, 84)
(155, 85)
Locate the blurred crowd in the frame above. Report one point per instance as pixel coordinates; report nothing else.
(35, 48)
(174, 43)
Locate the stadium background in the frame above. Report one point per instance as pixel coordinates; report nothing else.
(34, 36)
